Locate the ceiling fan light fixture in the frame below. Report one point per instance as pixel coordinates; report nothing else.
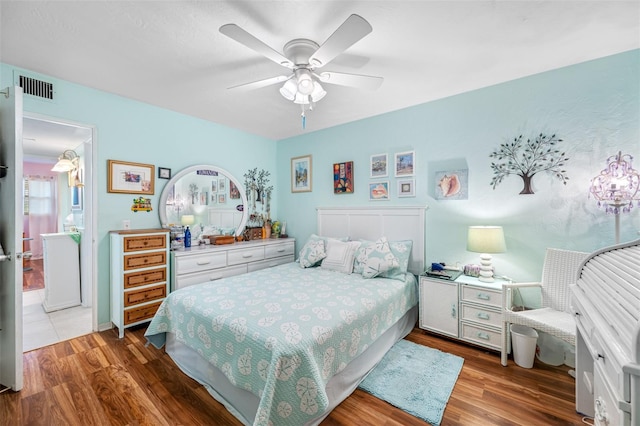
(305, 81)
(318, 92)
(289, 90)
(301, 99)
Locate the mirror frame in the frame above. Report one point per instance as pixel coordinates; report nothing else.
(162, 207)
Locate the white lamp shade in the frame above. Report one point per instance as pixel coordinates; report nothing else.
(187, 219)
(486, 239)
(63, 165)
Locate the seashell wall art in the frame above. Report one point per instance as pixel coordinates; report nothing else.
(452, 185)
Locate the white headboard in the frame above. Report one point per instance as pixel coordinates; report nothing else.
(368, 223)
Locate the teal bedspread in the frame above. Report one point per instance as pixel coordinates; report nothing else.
(283, 332)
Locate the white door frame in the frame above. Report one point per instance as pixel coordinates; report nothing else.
(89, 250)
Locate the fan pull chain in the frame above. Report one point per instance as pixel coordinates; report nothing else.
(304, 118)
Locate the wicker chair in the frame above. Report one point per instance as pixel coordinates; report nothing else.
(554, 317)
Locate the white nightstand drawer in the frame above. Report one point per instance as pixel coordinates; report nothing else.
(481, 316)
(246, 255)
(277, 250)
(200, 262)
(208, 276)
(483, 296)
(481, 336)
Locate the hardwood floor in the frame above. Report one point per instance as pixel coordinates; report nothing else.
(32, 277)
(99, 379)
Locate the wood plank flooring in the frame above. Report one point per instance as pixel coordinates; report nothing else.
(32, 277)
(99, 379)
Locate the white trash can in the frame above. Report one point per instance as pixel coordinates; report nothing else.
(523, 342)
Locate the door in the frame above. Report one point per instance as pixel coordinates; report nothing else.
(439, 306)
(11, 238)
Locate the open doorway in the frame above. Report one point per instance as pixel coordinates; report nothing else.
(58, 209)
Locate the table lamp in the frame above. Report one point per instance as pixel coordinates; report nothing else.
(187, 219)
(486, 240)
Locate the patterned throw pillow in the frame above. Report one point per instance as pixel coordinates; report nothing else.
(312, 252)
(402, 251)
(376, 258)
(340, 255)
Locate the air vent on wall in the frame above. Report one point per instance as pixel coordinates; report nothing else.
(35, 87)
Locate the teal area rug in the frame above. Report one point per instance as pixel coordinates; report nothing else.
(415, 378)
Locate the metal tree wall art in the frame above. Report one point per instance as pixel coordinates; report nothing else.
(528, 158)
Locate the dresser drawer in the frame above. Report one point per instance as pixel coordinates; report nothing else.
(207, 276)
(136, 279)
(484, 296)
(269, 263)
(135, 297)
(480, 336)
(246, 255)
(277, 250)
(200, 262)
(140, 313)
(482, 316)
(137, 261)
(144, 242)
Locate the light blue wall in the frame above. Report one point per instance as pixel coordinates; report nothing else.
(594, 107)
(133, 131)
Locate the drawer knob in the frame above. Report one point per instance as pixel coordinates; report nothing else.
(483, 296)
(453, 310)
(280, 250)
(203, 262)
(247, 255)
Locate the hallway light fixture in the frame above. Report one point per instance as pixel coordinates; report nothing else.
(616, 187)
(67, 162)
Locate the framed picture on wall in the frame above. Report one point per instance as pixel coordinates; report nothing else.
(378, 191)
(164, 173)
(406, 187)
(404, 163)
(130, 178)
(378, 166)
(301, 174)
(452, 185)
(343, 178)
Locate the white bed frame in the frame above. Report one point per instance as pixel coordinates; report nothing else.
(395, 223)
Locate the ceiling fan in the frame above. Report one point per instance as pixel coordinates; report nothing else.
(304, 57)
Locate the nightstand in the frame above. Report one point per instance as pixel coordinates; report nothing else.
(466, 309)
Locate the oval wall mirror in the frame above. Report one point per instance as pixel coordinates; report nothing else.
(207, 198)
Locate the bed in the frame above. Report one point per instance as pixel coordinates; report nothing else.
(285, 345)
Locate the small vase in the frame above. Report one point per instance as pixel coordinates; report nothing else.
(267, 231)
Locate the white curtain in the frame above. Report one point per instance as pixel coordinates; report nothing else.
(43, 216)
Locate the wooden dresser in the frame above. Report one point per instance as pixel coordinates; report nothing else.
(139, 275)
(198, 264)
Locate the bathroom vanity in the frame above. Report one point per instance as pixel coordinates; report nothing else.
(61, 254)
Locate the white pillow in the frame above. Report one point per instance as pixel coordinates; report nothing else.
(340, 255)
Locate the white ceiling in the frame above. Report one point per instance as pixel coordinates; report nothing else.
(171, 54)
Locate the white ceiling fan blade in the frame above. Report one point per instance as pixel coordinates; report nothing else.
(351, 31)
(241, 36)
(352, 80)
(261, 83)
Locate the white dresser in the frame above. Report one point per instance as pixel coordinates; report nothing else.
(606, 302)
(198, 264)
(61, 254)
(465, 309)
(139, 275)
